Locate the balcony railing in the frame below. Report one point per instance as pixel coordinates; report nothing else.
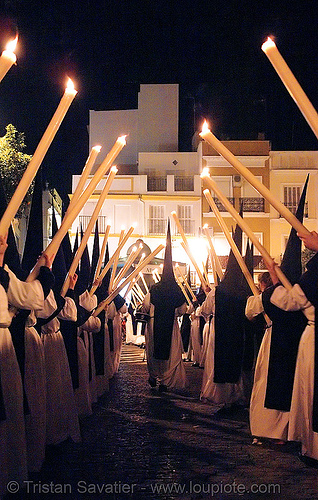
(102, 222)
(220, 206)
(156, 183)
(249, 204)
(252, 204)
(182, 183)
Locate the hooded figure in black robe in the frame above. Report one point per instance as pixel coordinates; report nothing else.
(287, 326)
(99, 337)
(166, 296)
(230, 300)
(185, 327)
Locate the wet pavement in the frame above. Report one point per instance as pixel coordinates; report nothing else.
(140, 444)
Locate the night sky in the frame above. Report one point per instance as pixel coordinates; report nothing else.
(212, 49)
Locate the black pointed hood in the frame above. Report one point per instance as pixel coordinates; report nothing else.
(230, 300)
(84, 271)
(166, 296)
(95, 254)
(58, 267)
(33, 246)
(291, 264)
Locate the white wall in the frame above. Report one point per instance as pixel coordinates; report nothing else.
(158, 116)
(106, 126)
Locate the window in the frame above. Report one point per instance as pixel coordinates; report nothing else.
(157, 220)
(291, 197)
(185, 216)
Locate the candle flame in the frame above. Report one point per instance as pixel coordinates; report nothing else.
(97, 148)
(176, 264)
(205, 127)
(268, 44)
(205, 172)
(11, 45)
(205, 226)
(134, 249)
(70, 84)
(122, 139)
(114, 169)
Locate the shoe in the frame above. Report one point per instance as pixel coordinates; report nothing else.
(152, 382)
(163, 388)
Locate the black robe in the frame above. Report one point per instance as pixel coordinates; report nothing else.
(287, 328)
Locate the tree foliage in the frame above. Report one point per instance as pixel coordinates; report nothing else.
(13, 162)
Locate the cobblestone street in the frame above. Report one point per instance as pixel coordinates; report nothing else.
(140, 444)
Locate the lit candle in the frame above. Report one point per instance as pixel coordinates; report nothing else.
(139, 290)
(136, 295)
(207, 135)
(130, 286)
(244, 226)
(232, 244)
(215, 258)
(8, 58)
(114, 270)
(86, 171)
(291, 84)
(102, 170)
(132, 275)
(87, 234)
(183, 289)
(37, 158)
(185, 281)
(113, 258)
(102, 252)
(133, 255)
(144, 282)
(186, 247)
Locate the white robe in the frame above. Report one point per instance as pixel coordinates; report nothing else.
(264, 422)
(210, 391)
(13, 454)
(35, 389)
(83, 397)
(300, 418)
(171, 372)
(61, 412)
(195, 341)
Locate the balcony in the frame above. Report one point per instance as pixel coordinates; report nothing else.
(156, 183)
(252, 204)
(102, 222)
(248, 204)
(182, 183)
(220, 206)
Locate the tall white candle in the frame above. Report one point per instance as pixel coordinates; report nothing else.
(8, 58)
(291, 84)
(207, 135)
(37, 158)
